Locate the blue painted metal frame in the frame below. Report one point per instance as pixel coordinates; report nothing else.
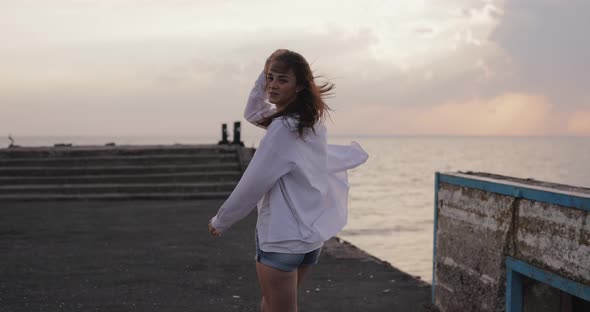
(513, 290)
(436, 180)
(556, 198)
(515, 269)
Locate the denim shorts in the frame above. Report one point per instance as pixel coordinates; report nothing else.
(284, 261)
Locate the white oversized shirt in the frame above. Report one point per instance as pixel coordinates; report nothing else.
(299, 186)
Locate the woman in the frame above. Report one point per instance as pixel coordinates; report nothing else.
(296, 179)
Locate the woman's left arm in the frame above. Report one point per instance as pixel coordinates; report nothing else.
(273, 159)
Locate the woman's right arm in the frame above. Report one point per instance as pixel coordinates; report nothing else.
(257, 108)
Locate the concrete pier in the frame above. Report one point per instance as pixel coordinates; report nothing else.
(79, 235)
(158, 256)
(121, 172)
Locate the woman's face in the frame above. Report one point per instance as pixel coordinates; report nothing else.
(281, 87)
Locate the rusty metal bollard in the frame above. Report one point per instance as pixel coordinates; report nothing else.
(223, 135)
(237, 134)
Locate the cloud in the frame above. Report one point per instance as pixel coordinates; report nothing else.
(424, 30)
(507, 114)
(188, 64)
(579, 123)
(547, 42)
(166, 85)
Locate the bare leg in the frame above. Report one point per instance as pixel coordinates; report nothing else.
(263, 303)
(279, 289)
(302, 272)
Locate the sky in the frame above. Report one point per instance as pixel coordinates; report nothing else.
(180, 67)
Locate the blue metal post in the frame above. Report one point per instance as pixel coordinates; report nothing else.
(436, 181)
(513, 291)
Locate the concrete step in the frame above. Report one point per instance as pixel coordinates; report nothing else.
(44, 171)
(184, 177)
(130, 188)
(123, 150)
(66, 161)
(113, 196)
(121, 172)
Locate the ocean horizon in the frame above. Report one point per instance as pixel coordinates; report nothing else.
(50, 140)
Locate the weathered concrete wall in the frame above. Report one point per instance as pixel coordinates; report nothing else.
(555, 238)
(477, 229)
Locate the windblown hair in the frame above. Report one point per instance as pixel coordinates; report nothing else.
(308, 106)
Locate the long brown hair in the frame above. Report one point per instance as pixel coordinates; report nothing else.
(308, 106)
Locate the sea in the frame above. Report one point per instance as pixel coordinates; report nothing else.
(391, 201)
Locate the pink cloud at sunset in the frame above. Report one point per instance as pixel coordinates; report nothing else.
(512, 114)
(579, 123)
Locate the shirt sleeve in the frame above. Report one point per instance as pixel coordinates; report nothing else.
(257, 107)
(274, 158)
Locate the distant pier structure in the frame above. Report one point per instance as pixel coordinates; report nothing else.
(123, 172)
(507, 244)
(237, 138)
